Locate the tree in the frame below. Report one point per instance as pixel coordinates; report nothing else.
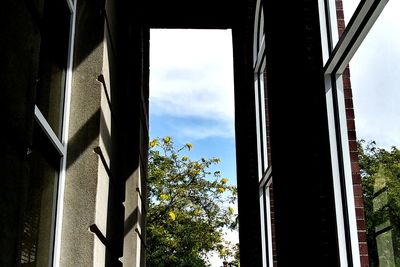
(188, 206)
(380, 176)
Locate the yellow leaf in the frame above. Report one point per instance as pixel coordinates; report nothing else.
(163, 197)
(172, 215)
(221, 189)
(153, 143)
(167, 140)
(224, 180)
(184, 158)
(231, 211)
(189, 146)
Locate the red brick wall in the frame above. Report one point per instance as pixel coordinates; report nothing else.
(271, 194)
(351, 131)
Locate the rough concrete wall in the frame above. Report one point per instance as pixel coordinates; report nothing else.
(105, 190)
(19, 54)
(82, 164)
(136, 141)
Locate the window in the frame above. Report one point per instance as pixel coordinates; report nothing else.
(47, 158)
(53, 62)
(264, 168)
(260, 92)
(337, 53)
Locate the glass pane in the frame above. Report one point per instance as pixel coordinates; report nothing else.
(269, 223)
(340, 13)
(37, 236)
(348, 7)
(258, 130)
(375, 80)
(263, 227)
(272, 252)
(261, 30)
(53, 62)
(263, 103)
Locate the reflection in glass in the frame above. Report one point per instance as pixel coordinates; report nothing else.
(264, 243)
(53, 62)
(383, 220)
(38, 226)
(264, 128)
(258, 129)
(341, 12)
(375, 78)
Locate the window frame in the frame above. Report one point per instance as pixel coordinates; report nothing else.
(259, 69)
(64, 135)
(60, 143)
(264, 167)
(337, 53)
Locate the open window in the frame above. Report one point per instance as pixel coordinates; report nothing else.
(47, 156)
(262, 131)
(337, 53)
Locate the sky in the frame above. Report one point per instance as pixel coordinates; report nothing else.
(191, 96)
(191, 92)
(191, 88)
(375, 78)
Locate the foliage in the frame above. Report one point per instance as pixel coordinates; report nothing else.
(228, 250)
(380, 173)
(188, 206)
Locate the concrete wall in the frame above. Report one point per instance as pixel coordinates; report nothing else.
(103, 208)
(82, 182)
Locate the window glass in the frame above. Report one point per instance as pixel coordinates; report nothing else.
(348, 7)
(263, 107)
(261, 30)
(38, 226)
(268, 222)
(258, 129)
(375, 79)
(55, 33)
(263, 227)
(262, 138)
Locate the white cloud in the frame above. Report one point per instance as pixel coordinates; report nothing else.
(375, 76)
(204, 131)
(191, 75)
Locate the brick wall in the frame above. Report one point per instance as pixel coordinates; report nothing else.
(271, 191)
(351, 131)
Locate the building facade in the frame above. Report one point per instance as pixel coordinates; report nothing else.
(74, 103)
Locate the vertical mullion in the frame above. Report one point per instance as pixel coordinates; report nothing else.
(262, 224)
(255, 33)
(64, 139)
(259, 151)
(342, 177)
(261, 124)
(263, 110)
(266, 216)
(71, 5)
(335, 173)
(269, 222)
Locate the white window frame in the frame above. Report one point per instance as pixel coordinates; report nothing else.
(264, 168)
(265, 215)
(259, 68)
(64, 136)
(337, 54)
(60, 144)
